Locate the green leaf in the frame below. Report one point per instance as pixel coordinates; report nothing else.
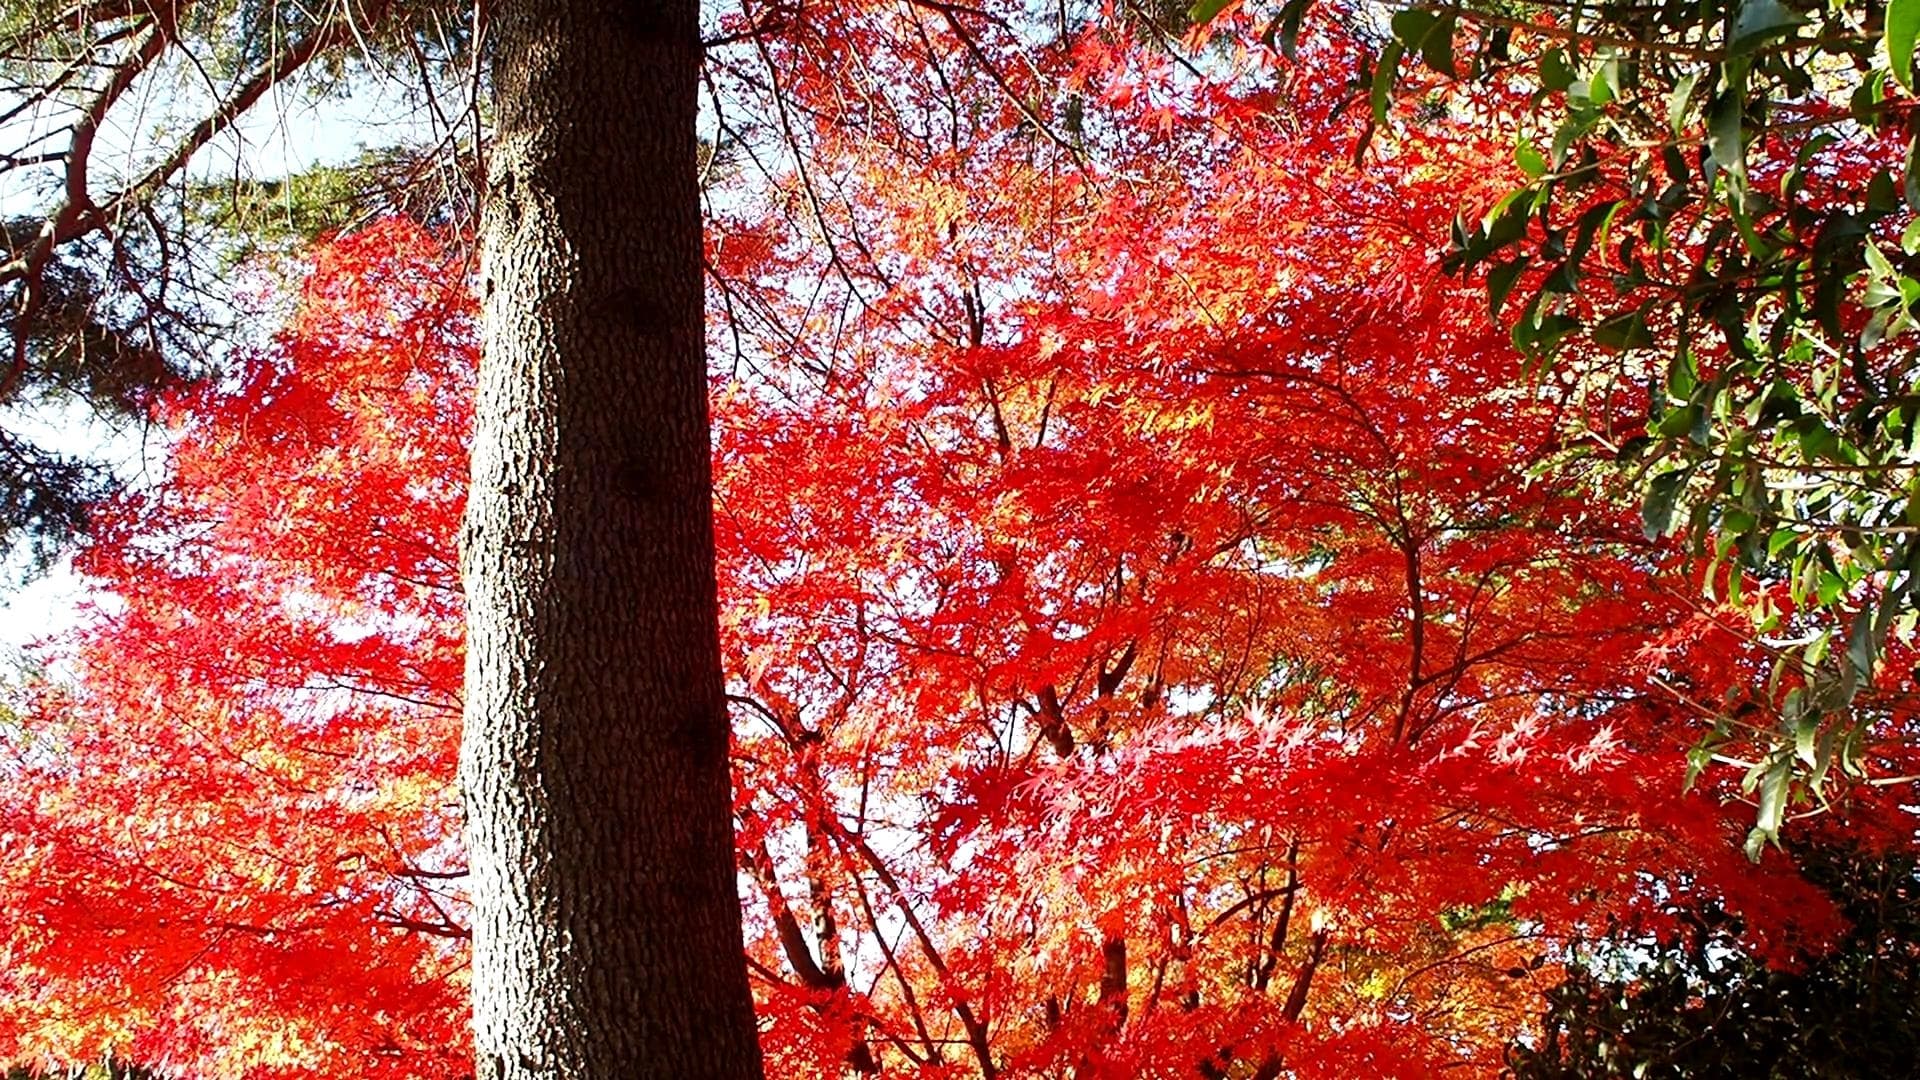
(1564, 279)
(1683, 373)
(1759, 20)
(1726, 141)
(1723, 132)
(1817, 440)
(1877, 261)
(1679, 422)
(1773, 806)
(1910, 237)
(1903, 26)
(1830, 588)
(1529, 159)
(1822, 763)
(1910, 176)
(1428, 33)
(1593, 227)
(1828, 290)
(1803, 735)
(1555, 75)
(1412, 26)
(1698, 758)
(1205, 11)
(1605, 83)
(1507, 221)
(1500, 282)
(1882, 196)
(1657, 513)
(1881, 326)
(1548, 332)
(1817, 649)
(1677, 103)
(1627, 330)
(1384, 74)
(1568, 133)
(1866, 98)
(1287, 28)
(1437, 49)
(1860, 645)
(1878, 294)
(1737, 210)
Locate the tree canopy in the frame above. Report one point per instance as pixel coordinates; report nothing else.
(1715, 201)
(1170, 628)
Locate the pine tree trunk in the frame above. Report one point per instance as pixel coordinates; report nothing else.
(606, 923)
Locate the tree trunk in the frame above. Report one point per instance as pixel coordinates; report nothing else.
(606, 933)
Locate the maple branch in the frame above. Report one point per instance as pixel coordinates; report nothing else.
(950, 13)
(1046, 413)
(1113, 980)
(1105, 684)
(825, 929)
(1297, 997)
(250, 929)
(975, 1028)
(428, 875)
(805, 175)
(893, 966)
(1002, 440)
(1360, 415)
(1282, 925)
(793, 940)
(1250, 899)
(1455, 958)
(1111, 1002)
(772, 718)
(28, 161)
(1455, 671)
(421, 881)
(827, 973)
(1053, 721)
(1416, 632)
(442, 929)
(777, 19)
(1111, 678)
(390, 695)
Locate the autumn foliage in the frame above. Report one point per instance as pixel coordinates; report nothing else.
(1157, 643)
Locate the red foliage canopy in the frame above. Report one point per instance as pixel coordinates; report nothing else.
(1157, 648)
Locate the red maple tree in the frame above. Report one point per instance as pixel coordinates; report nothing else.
(1158, 647)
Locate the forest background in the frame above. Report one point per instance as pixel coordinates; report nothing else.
(1251, 542)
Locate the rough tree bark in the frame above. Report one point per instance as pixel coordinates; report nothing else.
(606, 923)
